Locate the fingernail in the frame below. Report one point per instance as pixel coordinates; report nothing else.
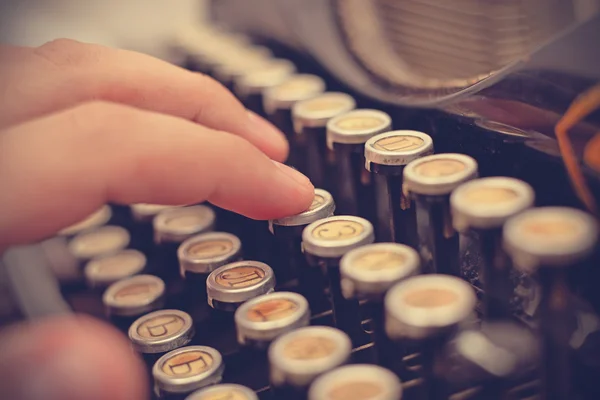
(263, 128)
(291, 173)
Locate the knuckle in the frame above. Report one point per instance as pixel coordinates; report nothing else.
(67, 52)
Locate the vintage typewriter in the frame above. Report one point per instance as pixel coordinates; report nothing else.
(451, 250)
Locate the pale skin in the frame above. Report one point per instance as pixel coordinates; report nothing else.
(82, 125)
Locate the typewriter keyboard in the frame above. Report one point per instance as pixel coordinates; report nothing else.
(425, 268)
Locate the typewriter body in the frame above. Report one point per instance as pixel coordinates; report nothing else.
(447, 255)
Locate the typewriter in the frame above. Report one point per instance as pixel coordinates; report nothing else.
(451, 250)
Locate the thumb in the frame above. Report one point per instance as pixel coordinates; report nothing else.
(69, 358)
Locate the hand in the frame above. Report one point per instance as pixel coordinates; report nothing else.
(83, 125)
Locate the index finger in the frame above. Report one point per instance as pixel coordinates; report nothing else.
(57, 169)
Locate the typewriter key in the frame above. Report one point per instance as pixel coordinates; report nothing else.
(298, 357)
(386, 156)
(279, 100)
(550, 241)
(133, 297)
(105, 270)
(428, 181)
(324, 242)
(159, 332)
(142, 231)
(250, 86)
(287, 233)
(310, 121)
(228, 73)
(367, 273)
(356, 382)
(198, 257)
(231, 285)
(174, 226)
(495, 356)
(261, 320)
(98, 242)
(178, 224)
(95, 220)
(346, 136)
(182, 371)
(224, 392)
(425, 311)
(482, 206)
(202, 254)
(226, 64)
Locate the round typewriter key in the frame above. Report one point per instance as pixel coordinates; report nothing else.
(334, 236)
(298, 357)
(225, 63)
(356, 382)
(279, 100)
(260, 320)
(324, 242)
(428, 181)
(368, 272)
(198, 257)
(224, 392)
(310, 121)
(178, 224)
(296, 88)
(105, 270)
(228, 73)
(287, 236)
(187, 369)
(426, 310)
(161, 331)
(134, 296)
(251, 85)
(174, 226)
(346, 136)
(386, 156)
(549, 237)
(550, 241)
(357, 126)
(202, 254)
(98, 218)
(480, 208)
(142, 231)
(322, 206)
(427, 305)
(231, 285)
(98, 242)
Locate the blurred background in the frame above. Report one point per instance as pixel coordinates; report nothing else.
(142, 25)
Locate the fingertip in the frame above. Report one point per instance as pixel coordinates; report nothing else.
(69, 358)
(295, 189)
(304, 191)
